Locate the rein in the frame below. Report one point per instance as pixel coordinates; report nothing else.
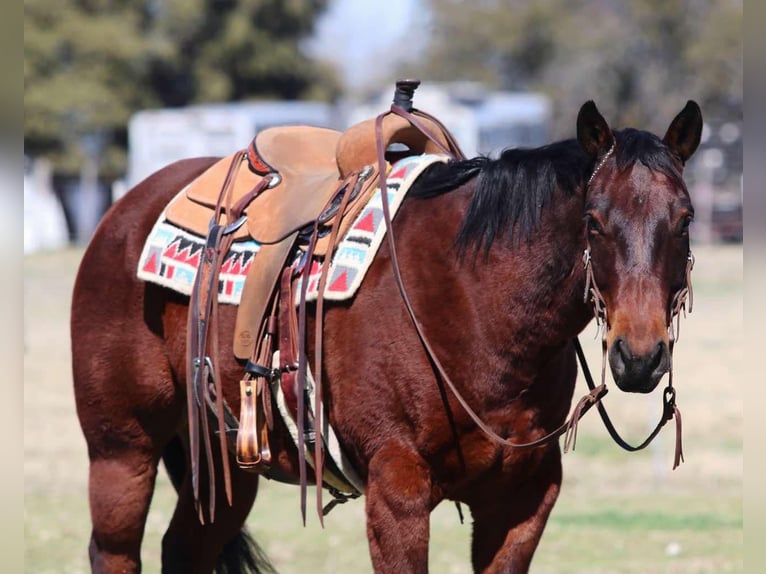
(584, 404)
(569, 427)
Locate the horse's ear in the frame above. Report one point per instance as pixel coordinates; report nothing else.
(593, 133)
(683, 135)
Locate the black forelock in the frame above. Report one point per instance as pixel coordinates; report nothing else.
(636, 145)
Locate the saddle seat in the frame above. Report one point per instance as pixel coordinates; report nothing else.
(303, 160)
(297, 149)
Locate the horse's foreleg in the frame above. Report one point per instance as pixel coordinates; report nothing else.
(398, 502)
(509, 524)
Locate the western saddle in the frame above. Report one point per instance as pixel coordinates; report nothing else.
(295, 190)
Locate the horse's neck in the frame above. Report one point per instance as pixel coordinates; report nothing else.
(537, 309)
(514, 306)
(543, 281)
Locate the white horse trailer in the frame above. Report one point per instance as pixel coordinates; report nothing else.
(159, 137)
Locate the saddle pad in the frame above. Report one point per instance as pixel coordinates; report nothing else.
(171, 255)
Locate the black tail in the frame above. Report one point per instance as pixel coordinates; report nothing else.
(175, 461)
(242, 554)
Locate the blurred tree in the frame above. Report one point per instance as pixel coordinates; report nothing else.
(90, 64)
(229, 50)
(640, 61)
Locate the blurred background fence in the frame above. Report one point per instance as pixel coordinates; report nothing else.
(116, 89)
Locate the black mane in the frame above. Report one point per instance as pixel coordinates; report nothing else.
(513, 190)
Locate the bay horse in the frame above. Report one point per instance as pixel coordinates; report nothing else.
(491, 252)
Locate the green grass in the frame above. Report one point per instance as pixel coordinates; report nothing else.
(618, 512)
(658, 520)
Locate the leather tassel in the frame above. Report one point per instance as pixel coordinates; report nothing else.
(570, 437)
(679, 454)
(585, 403)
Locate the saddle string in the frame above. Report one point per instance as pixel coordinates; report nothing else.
(198, 364)
(201, 302)
(302, 379)
(232, 215)
(202, 339)
(587, 401)
(670, 408)
(347, 191)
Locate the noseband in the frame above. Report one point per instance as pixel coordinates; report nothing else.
(677, 305)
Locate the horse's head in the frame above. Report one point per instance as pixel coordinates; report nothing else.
(637, 215)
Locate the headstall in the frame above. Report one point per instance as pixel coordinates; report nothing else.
(678, 304)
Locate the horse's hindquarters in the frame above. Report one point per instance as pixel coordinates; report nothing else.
(128, 402)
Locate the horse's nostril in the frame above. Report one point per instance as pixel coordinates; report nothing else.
(659, 352)
(623, 350)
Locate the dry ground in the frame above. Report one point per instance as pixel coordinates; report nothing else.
(618, 513)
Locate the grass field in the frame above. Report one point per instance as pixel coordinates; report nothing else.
(618, 512)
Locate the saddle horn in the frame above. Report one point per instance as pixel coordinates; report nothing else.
(405, 90)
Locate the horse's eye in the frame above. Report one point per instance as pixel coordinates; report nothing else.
(683, 230)
(594, 227)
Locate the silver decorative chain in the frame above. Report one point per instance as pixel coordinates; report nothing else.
(600, 164)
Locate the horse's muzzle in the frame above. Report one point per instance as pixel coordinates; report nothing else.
(638, 373)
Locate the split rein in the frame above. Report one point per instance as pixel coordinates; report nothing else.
(568, 428)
